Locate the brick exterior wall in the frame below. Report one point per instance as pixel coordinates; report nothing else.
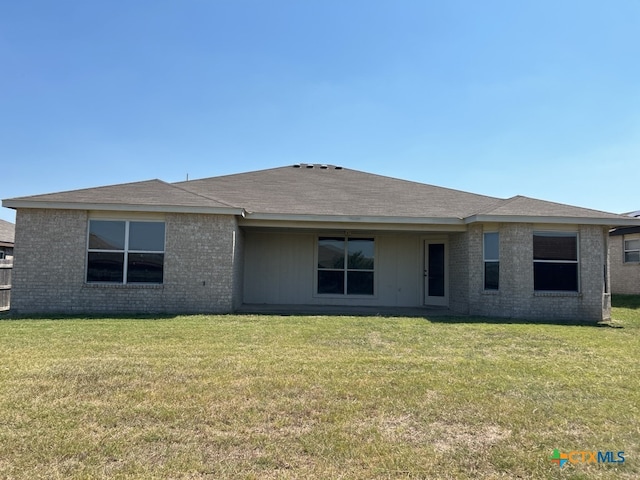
(238, 267)
(516, 297)
(625, 277)
(459, 259)
(203, 270)
(201, 267)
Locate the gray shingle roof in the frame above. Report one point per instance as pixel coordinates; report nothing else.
(147, 193)
(319, 191)
(337, 191)
(525, 206)
(7, 232)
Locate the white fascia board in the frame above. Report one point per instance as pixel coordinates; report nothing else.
(329, 222)
(15, 204)
(613, 222)
(355, 219)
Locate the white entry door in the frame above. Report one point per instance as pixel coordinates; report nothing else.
(436, 289)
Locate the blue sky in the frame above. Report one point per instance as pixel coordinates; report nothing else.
(537, 98)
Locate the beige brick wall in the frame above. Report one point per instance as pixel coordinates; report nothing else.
(625, 277)
(201, 256)
(516, 297)
(204, 270)
(459, 273)
(238, 267)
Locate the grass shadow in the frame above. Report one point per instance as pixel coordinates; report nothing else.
(8, 315)
(515, 321)
(626, 301)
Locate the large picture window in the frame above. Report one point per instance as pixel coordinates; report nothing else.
(555, 261)
(345, 266)
(632, 250)
(491, 261)
(123, 251)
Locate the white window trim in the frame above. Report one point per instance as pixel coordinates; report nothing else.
(345, 269)
(125, 252)
(625, 250)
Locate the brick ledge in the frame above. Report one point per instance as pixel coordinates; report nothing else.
(557, 294)
(120, 286)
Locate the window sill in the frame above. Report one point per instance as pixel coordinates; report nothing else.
(556, 294)
(343, 296)
(490, 292)
(128, 286)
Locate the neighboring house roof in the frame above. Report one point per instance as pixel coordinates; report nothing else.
(627, 230)
(7, 233)
(320, 193)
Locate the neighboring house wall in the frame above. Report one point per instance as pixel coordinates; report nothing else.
(6, 268)
(625, 276)
(6, 253)
(49, 273)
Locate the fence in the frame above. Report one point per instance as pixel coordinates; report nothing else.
(6, 267)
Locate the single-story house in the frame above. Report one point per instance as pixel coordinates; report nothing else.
(624, 245)
(7, 235)
(320, 236)
(7, 239)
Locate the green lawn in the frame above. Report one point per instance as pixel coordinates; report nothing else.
(317, 397)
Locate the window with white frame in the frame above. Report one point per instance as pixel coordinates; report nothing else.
(125, 251)
(632, 250)
(491, 260)
(345, 266)
(555, 261)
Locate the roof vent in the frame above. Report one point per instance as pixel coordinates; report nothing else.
(321, 166)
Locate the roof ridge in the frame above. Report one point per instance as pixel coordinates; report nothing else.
(173, 185)
(500, 203)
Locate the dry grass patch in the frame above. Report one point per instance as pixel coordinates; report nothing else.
(476, 439)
